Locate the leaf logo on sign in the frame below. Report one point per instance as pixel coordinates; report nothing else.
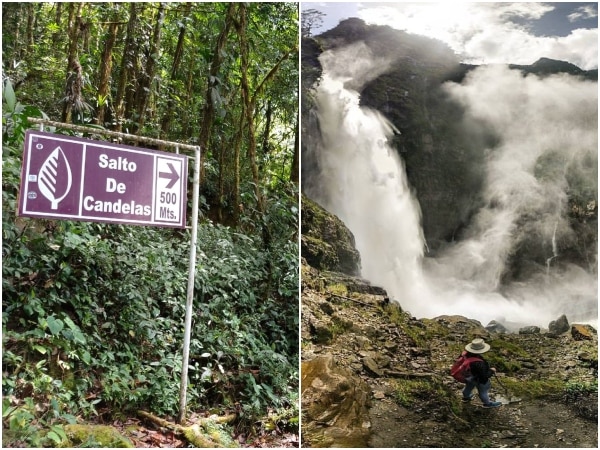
(54, 178)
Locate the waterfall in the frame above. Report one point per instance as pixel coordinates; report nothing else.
(363, 181)
(554, 250)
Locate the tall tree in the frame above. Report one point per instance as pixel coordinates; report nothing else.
(147, 74)
(105, 71)
(212, 90)
(73, 99)
(126, 67)
(177, 58)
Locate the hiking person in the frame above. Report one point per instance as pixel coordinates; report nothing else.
(476, 373)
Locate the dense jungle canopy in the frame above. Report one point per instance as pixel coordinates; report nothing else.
(92, 314)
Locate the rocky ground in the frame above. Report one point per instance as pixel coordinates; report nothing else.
(374, 376)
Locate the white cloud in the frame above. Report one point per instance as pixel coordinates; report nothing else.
(486, 32)
(583, 12)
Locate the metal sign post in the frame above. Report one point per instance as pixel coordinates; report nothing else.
(190, 290)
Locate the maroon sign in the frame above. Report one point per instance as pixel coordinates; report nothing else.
(65, 177)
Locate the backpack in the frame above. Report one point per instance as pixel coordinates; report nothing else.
(461, 369)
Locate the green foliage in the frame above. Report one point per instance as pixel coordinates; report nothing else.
(408, 392)
(24, 425)
(92, 314)
(532, 389)
(421, 332)
(574, 390)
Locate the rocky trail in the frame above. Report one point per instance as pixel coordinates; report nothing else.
(373, 376)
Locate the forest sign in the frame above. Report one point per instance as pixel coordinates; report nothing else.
(65, 177)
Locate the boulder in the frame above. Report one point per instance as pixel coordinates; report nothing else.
(581, 332)
(335, 405)
(370, 364)
(101, 435)
(559, 326)
(496, 327)
(532, 329)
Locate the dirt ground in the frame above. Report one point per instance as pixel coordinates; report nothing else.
(535, 424)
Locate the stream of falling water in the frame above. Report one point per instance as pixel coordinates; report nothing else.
(363, 181)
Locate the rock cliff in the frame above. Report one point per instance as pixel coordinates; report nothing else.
(441, 145)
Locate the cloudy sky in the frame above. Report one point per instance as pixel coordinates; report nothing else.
(484, 32)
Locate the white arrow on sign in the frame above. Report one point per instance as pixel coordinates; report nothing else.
(172, 175)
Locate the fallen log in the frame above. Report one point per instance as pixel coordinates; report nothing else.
(205, 433)
(398, 374)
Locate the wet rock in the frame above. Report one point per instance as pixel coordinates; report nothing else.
(529, 330)
(559, 326)
(582, 332)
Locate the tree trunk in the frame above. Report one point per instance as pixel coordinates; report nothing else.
(208, 113)
(147, 75)
(57, 19)
(185, 127)
(126, 67)
(74, 76)
(105, 72)
(249, 105)
(166, 122)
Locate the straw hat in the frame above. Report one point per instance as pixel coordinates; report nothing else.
(477, 346)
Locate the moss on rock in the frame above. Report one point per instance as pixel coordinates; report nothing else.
(98, 435)
(327, 244)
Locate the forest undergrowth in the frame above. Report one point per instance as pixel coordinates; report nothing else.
(92, 316)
